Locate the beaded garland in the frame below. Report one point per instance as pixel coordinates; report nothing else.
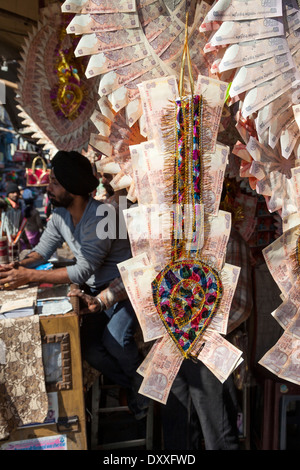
(187, 291)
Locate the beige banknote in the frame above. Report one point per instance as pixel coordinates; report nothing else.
(231, 32)
(148, 168)
(282, 195)
(162, 370)
(160, 241)
(276, 256)
(245, 53)
(214, 94)
(147, 361)
(277, 125)
(271, 111)
(109, 6)
(214, 178)
(137, 275)
(220, 356)
(162, 41)
(216, 235)
(85, 24)
(293, 41)
(230, 276)
(285, 313)
(156, 27)
(292, 220)
(121, 76)
(227, 10)
(152, 11)
(107, 61)
(290, 7)
(283, 358)
(73, 6)
(101, 143)
(288, 138)
(98, 6)
(155, 163)
(296, 112)
(149, 231)
(133, 110)
(268, 91)
(156, 96)
(125, 98)
(293, 22)
(250, 76)
(140, 175)
(94, 43)
(107, 165)
(296, 186)
(138, 223)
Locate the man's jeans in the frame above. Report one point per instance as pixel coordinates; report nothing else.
(215, 404)
(108, 343)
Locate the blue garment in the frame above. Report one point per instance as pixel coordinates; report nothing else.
(215, 405)
(109, 345)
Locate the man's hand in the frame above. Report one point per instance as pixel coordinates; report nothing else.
(12, 276)
(8, 267)
(92, 304)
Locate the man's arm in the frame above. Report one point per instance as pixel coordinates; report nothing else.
(31, 260)
(21, 275)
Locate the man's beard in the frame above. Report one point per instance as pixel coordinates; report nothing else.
(63, 201)
(14, 198)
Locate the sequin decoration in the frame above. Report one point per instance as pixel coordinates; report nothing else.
(186, 294)
(68, 95)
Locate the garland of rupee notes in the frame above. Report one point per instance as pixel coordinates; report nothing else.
(256, 49)
(148, 176)
(187, 292)
(128, 43)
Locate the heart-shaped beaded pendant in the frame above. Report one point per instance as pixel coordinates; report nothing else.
(186, 294)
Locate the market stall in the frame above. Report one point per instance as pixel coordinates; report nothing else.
(41, 368)
(192, 108)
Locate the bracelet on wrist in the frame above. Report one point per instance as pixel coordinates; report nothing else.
(102, 305)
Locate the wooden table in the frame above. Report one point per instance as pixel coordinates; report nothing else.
(63, 331)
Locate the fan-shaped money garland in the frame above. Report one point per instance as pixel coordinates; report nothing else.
(265, 84)
(129, 42)
(268, 161)
(266, 117)
(55, 98)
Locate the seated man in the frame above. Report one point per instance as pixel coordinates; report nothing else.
(77, 221)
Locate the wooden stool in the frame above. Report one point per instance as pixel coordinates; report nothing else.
(101, 407)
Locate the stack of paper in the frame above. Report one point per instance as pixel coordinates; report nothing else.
(18, 308)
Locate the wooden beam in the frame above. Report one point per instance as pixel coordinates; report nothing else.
(25, 19)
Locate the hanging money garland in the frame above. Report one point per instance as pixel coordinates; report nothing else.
(265, 84)
(180, 287)
(127, 43)
(264, 91)
(187, 291)
(53, 88)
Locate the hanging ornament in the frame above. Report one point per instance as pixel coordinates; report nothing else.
(187, 291)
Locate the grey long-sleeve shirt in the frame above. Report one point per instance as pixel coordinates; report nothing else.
(96, 258)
